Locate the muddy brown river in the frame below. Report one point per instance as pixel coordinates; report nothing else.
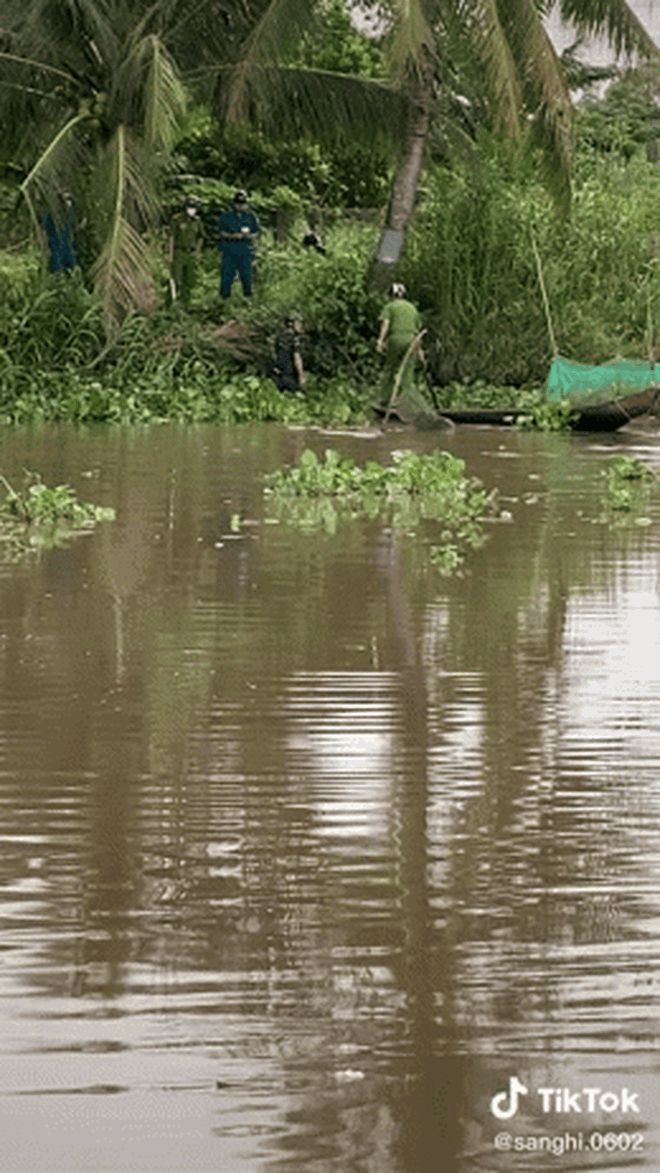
(311, 858)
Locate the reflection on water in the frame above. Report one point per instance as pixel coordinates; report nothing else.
(306, 851)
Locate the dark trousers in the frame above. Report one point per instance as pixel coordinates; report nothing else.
(184, 274)
(286, 382)
(230, 265)
(62, 258)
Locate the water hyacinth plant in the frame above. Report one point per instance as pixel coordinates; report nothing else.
(38, 516)
(317, 492)
(628, 483)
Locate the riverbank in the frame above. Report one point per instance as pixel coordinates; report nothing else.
(468, 265)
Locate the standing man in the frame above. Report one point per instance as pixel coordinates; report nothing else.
(289, 372)
(60, 226)
(185, 246)
(238, 228)
(400, 323)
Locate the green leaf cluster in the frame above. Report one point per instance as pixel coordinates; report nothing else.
(627, 484)
(37, 516)
(626, 494)
(414, 490)
(548, 417)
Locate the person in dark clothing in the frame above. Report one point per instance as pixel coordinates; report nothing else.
(312, 239)
(289, 372)
(185, 246)
(238, 228)
(60, 230)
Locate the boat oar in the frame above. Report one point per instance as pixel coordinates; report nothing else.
(412, 349)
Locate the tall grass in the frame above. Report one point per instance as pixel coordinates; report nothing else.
(471, 266)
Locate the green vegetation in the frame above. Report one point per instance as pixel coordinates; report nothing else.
(94, 99)
(627, 490)
(125, 108)
(39, 517)
(317, 493)
(471, 265)
(548, 417)
(624, 117)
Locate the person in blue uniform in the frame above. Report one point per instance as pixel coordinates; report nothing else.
(60, 230)
(238, 228)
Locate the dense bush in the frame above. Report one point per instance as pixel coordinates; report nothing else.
(624, 117)
(470, 264)
(340, 313)
(215, 160)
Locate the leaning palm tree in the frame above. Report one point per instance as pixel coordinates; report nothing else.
(522, 88)
(497, 50)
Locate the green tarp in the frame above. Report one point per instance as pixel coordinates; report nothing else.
(612, 379)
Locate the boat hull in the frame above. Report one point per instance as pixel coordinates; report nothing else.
(606, 416)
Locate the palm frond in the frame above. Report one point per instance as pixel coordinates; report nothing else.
(36, 66)
(411, 40)
(74, 35)
(269, 43)
(121, 274)
(616, 19)
(164, 98)
(330, 106)
(501, 72)
(544, 89)
(99, 29)
(196, 31)
(54, 162)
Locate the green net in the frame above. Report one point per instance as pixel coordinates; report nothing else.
(413, 407)
(611, 380)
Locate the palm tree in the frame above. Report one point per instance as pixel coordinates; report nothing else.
(91, 97)
(497, 50)
(522, 86)
(92, 93)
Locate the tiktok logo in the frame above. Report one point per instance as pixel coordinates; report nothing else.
(504, 1105)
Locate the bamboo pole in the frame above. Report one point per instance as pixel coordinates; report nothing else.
(413, 348)
(544, 295)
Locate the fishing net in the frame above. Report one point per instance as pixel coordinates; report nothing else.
(412, 406)
(611, 380)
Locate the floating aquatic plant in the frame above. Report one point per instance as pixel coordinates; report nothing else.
(38, 515)
(627, 490)
(316, 492)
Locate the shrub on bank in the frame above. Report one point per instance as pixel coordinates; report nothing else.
(470, 263)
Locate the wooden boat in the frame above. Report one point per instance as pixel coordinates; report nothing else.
(605, 415)
(609, 415)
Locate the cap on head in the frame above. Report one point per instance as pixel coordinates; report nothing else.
(192, 201)
(292, 317)
(398, 289)
(240, 197)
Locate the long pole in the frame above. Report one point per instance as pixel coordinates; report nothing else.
(413, 348)
(544, 295)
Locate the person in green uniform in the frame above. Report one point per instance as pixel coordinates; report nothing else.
(400, 323)
(185, 246)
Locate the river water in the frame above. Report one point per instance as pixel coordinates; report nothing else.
(307, 851)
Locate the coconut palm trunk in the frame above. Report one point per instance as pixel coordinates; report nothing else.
(404, 191)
